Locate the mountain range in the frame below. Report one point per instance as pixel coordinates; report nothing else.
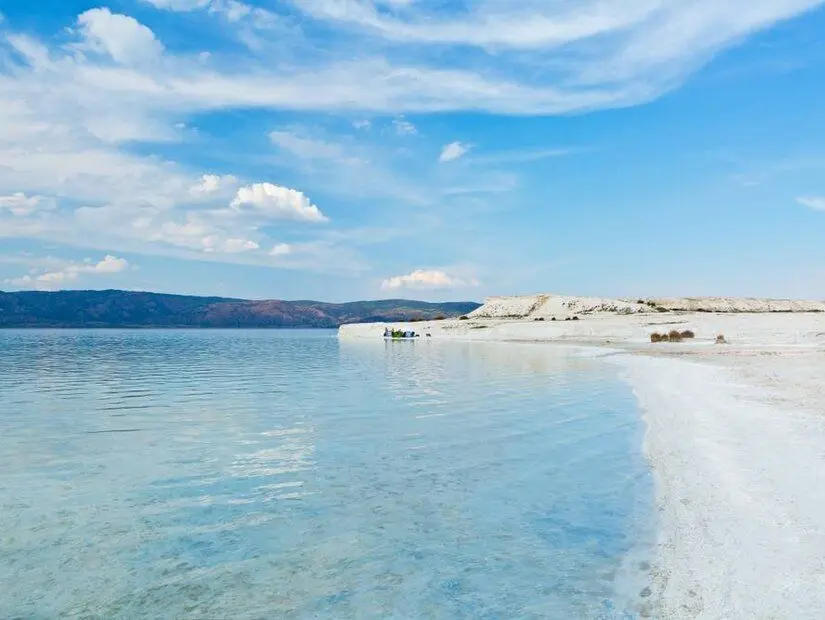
(113, 308)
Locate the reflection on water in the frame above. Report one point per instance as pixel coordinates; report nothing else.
(259, 474)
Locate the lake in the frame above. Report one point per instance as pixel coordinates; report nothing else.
(284, 474)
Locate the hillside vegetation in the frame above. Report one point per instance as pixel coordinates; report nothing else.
(137, 309)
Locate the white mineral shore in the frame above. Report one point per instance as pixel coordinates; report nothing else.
(735, 436)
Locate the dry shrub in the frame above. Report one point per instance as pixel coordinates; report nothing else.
(674, 336)
(464, 318)
(688, 334)
(657, 337)
(720, 339)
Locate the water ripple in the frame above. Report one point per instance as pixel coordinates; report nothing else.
(259, 474)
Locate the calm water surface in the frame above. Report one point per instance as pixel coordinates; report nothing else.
(282, 474)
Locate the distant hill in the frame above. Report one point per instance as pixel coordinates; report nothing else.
(136, 309)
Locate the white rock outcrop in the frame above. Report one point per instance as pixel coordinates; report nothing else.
(547, 306)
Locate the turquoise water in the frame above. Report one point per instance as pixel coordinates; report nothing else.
(285, 474)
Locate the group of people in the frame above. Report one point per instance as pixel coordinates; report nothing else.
(397, 333)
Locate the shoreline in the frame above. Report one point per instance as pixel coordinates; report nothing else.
(735, 437)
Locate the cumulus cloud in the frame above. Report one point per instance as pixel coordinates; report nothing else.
(213, 183)
(426, 279)
(274, 201)
(453, 151)
(123, 38)
(55, 279)
(363, 124)
(812, 202)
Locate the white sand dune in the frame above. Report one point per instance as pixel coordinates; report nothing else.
(736, 437)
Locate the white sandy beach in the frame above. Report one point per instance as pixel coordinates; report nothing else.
(735, 437)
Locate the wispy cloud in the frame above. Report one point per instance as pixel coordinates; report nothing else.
(404, 127)
(520, 156)
(812, 202)
(309, 148)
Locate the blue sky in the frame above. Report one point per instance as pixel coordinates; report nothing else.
(450, 149)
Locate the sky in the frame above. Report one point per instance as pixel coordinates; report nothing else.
(431, 149)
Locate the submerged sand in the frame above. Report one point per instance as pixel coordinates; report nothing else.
(735, 438)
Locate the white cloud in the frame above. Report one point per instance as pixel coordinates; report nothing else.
(538, 24)
(630, 66)
(72, 115)
(426, 279)
(179, 5)
(228, 246)
(109, 264)
(308, 148)
(50, 280)
(812, 202)
(453, 151)
(281, 249)
(521, 156)
(22, 205)
(363, 124)
(232, 10)
(213, 183)
(404, 127)
(274, 201)
(123, 38)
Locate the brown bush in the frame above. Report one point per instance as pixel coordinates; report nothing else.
(657, 337)
(674, 336)
(688, 334)
(464, 318)
(720, 339)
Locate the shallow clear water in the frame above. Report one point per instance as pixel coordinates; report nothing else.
(262, 474)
